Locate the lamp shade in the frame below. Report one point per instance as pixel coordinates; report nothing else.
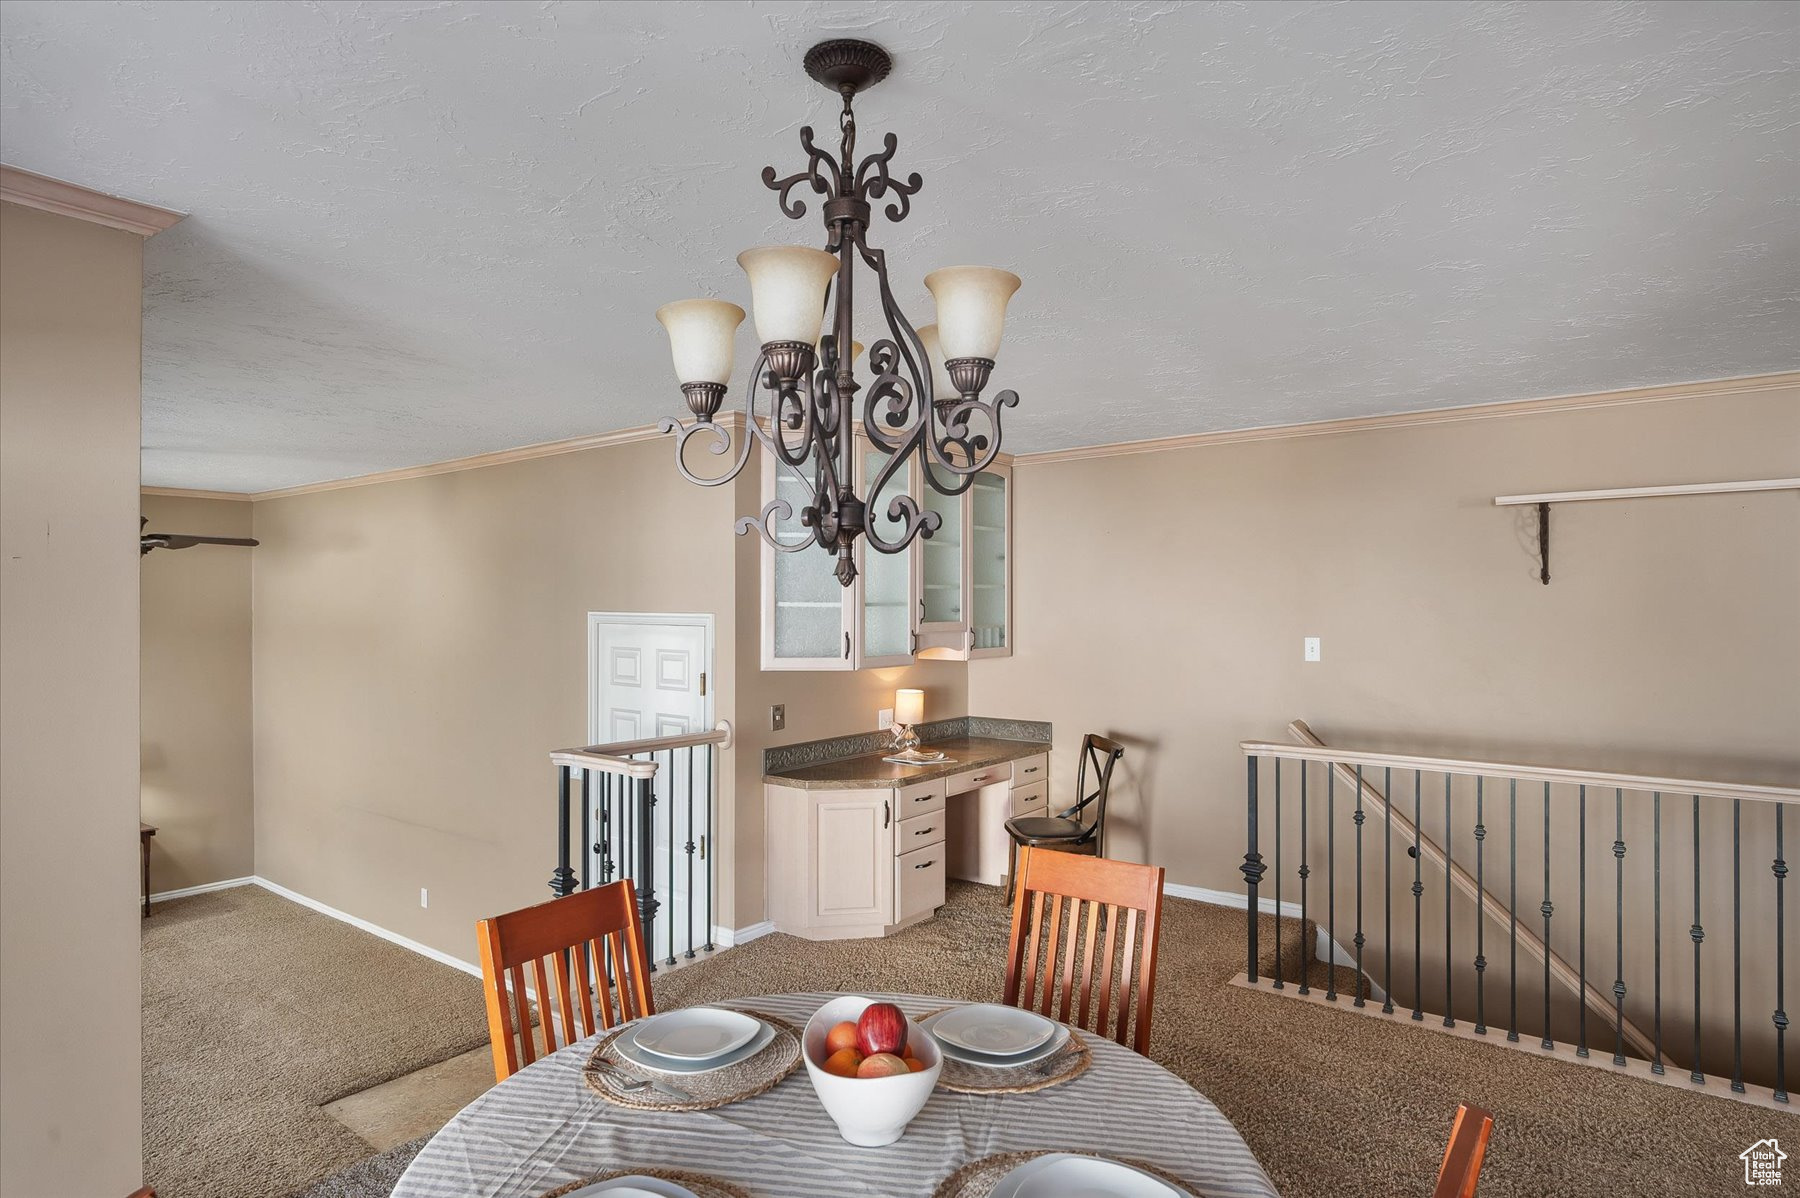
(787, 290)
(941, 387)
(909, 707)
(971, 309)
(856, 349)
(701, 332)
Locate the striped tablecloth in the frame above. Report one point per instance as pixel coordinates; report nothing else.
(542, 1128)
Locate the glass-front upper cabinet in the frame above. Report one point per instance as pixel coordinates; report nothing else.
(990, 568)
(884, 580)
(965, 573)
(807, 616)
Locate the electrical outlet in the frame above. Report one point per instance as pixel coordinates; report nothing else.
(1312, 648)
(778, 717)
(884, 718)
(424, 897)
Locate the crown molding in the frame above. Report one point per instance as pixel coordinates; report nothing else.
(189, 493)
(1746, 385)
(32, 190)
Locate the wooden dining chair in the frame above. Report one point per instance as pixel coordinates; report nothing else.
(1078, 828)
(584, 941)
(1462, 1157)
(1063, 906)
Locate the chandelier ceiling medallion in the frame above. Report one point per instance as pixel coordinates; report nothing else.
(924, 399)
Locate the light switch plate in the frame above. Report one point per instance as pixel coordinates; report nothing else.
(777, 717)
(884, 718)
(1312, 648)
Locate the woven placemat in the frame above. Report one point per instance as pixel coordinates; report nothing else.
(702, 1185)
(714, 1088)
(1064, 1065)
(977, 1179)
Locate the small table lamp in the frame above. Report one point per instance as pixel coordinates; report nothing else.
(909, 710)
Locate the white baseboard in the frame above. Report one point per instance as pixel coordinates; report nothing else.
(203, 888)
(732, 937)
(1229, 898)
(424, 950)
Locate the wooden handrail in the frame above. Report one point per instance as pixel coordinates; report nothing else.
(1375, 802)
(1731, 488)
(1521, 771)
(615, 758)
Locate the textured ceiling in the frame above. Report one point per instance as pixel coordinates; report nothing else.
(426, 230)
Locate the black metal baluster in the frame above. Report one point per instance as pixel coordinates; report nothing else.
(708, 847)
(670, 790)
(1360, 987)
(1279, 984)
(607, 839)
(1581, 1045)
(1305, 963)
(1387, 889)
(1781, 1019)
(1512, 911)
(1480, 915)
(1252, 868)
(1331, 879)
(562, 878)
(1656, 1066)
(1548, 909)
(690, 853)
(1618, 986)
(1737, 948)
(1418, 893)
(645, 818)
(1449, 890)
(1696, 933)
(587, 856)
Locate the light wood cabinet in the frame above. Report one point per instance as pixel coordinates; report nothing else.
(947, 597)
(842, 863)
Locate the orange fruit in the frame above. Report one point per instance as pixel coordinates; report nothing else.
(914, 1064)
(844, 1062)
(841, 1036)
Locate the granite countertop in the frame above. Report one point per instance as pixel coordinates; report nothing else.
(870, 772)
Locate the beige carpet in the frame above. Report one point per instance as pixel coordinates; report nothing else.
(257, 1011)
(1333, 1104)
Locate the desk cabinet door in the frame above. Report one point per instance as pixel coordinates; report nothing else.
(852, 858)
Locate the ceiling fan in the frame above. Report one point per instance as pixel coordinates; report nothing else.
(179, 540)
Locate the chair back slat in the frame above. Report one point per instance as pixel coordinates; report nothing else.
(1461, 1168)
(591, 943)
(1127, 899)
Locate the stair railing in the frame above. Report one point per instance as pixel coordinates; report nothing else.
(628, 830)
(1368, 780)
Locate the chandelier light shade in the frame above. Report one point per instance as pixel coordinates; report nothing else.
(971, 309)
(787, 290)
(804, 403)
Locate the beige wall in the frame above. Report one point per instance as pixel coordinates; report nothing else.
(195, 738)
(420, 647)
(69, 1000)
(1667, 641)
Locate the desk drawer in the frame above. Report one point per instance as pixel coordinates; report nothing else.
(1030, 800)
(987, 775)
(1027, 770)
(921, 798)
(918, 882)
(919, 832)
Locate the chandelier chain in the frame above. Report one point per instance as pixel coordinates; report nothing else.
(847, 124)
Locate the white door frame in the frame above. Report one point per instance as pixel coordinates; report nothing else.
(597, 619)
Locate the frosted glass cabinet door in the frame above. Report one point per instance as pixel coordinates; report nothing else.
(990, 573)
(806, 623)
(941, 591)
(886, 579)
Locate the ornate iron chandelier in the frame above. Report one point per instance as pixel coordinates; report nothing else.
(924, 399)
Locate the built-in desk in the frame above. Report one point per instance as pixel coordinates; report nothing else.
(861, 846)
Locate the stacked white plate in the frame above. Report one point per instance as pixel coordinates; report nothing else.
(694, 1040)
(995, 1036)
(633, 1187)
(1065, 1175)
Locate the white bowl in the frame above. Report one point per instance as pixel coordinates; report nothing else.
(869, 1111)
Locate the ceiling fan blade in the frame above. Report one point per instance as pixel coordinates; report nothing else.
(177, 540)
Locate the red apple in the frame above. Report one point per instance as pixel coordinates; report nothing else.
(882, 1064)
(882, 1029)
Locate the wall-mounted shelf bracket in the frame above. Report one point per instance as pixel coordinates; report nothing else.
(1545, 499)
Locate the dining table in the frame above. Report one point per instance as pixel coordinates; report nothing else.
(543, 1128)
